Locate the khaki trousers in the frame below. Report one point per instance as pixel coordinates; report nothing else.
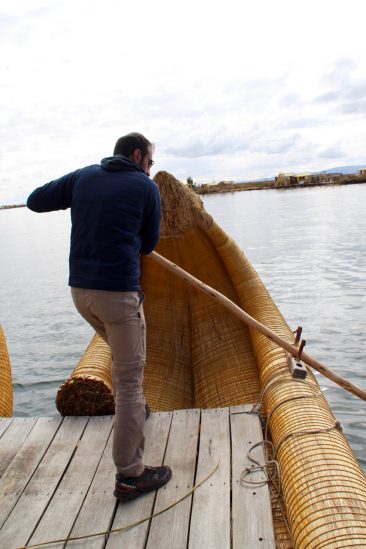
(118, 317)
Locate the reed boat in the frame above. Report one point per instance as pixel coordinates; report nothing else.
(6, 389)
(200, 357)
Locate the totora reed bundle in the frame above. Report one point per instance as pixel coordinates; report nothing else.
(88, 391)
(6, 386)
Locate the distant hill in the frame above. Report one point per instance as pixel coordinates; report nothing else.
(345, 169)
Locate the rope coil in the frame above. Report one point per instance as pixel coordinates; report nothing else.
(271, 468)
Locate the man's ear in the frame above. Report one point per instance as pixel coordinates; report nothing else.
(137, 156)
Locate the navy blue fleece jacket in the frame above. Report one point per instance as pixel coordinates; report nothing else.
(115, 214)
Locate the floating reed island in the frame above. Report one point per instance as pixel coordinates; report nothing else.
(201, 356)
(284, 181)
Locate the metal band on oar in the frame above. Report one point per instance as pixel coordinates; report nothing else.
(250, 321)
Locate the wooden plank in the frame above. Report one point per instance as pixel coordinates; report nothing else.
(252, 521)
(4, 424)
(13, 438)
(171, 528)
(156, 434)
(210, 519)
(18, 473)
(99, 505)
(27, 512)
(64, 507)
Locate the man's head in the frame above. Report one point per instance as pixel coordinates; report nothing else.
(137, 148)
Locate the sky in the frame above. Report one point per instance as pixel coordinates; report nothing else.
(231, 90)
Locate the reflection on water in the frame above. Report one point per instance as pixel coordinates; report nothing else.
(308, 245)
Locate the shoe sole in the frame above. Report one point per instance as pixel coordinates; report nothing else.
(127, 497)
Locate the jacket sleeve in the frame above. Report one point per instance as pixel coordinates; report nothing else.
(56, 195)
(150, 230)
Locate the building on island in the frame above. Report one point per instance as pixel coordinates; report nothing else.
(325, 178)
(292, 179)
(288, 179)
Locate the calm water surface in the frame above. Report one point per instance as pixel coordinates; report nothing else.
(308, 246)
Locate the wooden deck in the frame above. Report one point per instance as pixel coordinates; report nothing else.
(57, 481)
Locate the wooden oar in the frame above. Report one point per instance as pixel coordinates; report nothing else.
(250, 321)
(10, 206)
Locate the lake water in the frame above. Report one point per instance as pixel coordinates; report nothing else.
(308, 246)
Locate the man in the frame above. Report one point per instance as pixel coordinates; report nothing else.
(115, 214)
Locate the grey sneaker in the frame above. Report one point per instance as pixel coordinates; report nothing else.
(152, 478)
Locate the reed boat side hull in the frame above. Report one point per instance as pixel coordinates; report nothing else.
(6, 387)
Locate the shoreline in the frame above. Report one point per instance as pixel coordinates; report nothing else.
(271, 185)
(219, 188)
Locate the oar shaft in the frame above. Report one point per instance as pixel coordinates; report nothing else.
(250, 321)
(10, 206)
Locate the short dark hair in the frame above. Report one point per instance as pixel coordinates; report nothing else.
(127, 144)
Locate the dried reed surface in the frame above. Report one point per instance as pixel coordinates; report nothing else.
(88, 391)
(6, 387)
(199, 355)
(182, 209)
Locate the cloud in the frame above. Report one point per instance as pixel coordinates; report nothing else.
(7, 21)
(354, 107)
(276, 146)
(341, 71)
(348, 93)
(335, 151)
(209, 143)
(330, 96)
(290, 100)
(299, 123)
